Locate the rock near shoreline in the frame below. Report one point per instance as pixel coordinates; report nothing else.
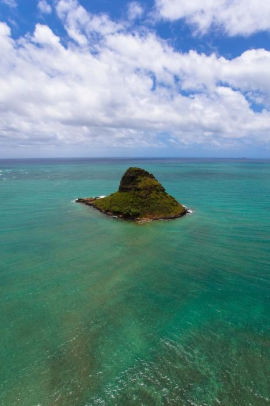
(140, 197)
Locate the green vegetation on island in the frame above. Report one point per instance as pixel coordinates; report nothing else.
(140, 197)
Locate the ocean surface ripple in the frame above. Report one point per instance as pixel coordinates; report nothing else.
(99, 311)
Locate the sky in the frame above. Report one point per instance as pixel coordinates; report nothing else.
(164, 78)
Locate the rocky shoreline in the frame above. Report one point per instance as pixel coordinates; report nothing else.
(90, 200)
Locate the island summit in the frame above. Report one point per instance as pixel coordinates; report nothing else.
(140, 197)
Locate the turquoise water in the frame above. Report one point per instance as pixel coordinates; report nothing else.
(98, 311)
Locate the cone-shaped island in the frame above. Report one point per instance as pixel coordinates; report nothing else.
(140, 197)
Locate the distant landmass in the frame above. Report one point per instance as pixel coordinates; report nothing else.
(140, 197)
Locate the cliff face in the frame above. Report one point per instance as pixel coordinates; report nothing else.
(140, 197)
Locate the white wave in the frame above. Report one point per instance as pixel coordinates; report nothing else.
(189, 211)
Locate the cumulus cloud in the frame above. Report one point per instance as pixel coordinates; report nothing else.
(235, 17)
(83, 26)
(44, 7)
(113, 87)
(135, 10)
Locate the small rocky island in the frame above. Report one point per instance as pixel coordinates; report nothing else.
(140, 197)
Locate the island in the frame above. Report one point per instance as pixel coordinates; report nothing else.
(140, 197)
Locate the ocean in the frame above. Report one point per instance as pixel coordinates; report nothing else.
(99, 311)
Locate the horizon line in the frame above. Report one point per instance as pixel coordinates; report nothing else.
(133, 157)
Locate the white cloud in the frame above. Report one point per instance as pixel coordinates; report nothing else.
(135, 10)
(10, 3)
(44, 7)
(81, 25)
(235, 17)
(125, 90)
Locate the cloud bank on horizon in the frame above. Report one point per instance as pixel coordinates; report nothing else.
(81, 80)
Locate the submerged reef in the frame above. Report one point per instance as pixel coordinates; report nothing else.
(140, 197)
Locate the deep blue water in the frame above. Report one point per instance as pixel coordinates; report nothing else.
(99, 311)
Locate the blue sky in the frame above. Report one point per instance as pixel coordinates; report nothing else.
(150, 78)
